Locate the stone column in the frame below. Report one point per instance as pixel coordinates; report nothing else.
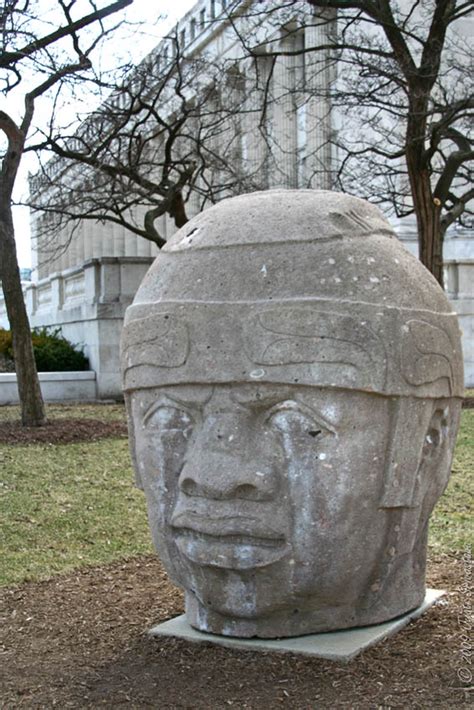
(96, 240)
(131, 238)
(80, 244)
(255, 147)
(118, 239)
(142, 247)
(318, 117)
(88, 237)
(284, 130)
(71, 251)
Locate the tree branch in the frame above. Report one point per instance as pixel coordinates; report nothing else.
(8, 58)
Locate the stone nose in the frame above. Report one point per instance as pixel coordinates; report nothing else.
(224, 462)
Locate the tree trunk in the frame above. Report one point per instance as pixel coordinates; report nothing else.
(430, 234)
(427, 211)
(430, 239)
(32, 407)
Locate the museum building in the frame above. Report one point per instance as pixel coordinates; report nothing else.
(84, 279)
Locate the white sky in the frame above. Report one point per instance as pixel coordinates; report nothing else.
(140, 11)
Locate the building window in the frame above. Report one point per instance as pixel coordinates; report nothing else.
(182, 38)
(202, 19)
(224, 4)
(213, 9)
(193, 29)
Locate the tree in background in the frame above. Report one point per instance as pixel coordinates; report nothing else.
(395, 82)
(376, 96)
(404, 94)
(170, 133)
(46, 53)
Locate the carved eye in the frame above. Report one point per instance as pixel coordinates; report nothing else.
(292, 420)
(167, 419)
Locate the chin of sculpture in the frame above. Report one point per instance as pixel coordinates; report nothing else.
(293, 380)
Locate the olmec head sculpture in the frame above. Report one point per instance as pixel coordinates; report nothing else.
(293, 379)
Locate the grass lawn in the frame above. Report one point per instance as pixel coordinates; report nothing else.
(67, 506)
(451, 523)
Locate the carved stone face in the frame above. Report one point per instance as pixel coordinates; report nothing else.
(264, 501)
(293, 380)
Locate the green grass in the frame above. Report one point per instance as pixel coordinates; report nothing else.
(64, 507)
(451, 526)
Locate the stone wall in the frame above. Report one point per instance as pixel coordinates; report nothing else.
(88, 303)
(55, 387)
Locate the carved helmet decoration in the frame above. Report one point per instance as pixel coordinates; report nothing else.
(353, 309)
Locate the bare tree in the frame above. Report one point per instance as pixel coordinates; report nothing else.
(404, 96)
(44, 51)
(184, 129)
(166, 135)
(393, 81)
(373, 98)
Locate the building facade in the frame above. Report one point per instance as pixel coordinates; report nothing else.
(86, 274)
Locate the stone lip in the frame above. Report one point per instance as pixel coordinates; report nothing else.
(340, 646)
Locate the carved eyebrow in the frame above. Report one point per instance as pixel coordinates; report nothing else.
(189, 399)
(162, 400)
(308, 411)
(167, 398)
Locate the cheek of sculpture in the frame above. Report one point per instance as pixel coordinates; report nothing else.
(162, 437)
(334, 483)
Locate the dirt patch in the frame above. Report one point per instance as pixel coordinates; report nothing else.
(60, 431)
(80, 641)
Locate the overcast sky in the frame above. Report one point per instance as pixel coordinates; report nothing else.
(140, 10)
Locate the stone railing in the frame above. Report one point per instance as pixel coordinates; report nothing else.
(55, 387)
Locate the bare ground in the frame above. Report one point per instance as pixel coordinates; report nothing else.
(79, 641)
(60, 431)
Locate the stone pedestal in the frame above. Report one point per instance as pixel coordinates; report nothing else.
(340, 646)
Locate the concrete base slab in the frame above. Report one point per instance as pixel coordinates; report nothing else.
(333, 645)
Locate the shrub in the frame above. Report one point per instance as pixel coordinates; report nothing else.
(53, 353)
(6, 346)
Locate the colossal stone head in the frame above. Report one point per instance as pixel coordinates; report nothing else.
(293, 379)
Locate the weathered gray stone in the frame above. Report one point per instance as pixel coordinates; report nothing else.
(293, 379)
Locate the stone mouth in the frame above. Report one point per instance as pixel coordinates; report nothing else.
(230, 538)
(237, 529)
(230, 549)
